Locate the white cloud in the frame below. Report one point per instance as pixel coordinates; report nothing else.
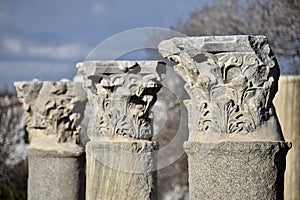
(70, 52)
(13, 46)
(63, 52)
(28, 70)
(99, 8)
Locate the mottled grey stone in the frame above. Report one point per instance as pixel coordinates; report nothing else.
(56, 175)
(121, 170)
(236, 170)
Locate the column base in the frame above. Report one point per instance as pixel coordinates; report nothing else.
(236, 170)
(56, 175)
(121, 170)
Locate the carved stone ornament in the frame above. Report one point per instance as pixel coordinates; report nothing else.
(122, 93)
(231, 81)
(52, 109)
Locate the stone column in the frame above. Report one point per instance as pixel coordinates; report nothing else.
(53, 112)
(121, 159)
(287, 103)
(235, 149)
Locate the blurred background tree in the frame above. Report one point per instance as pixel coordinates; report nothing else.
(13, 142)
(278, 20)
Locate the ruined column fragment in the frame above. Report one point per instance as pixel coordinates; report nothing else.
(287, 103)
(121, 159)
(231, 81)
(53, 112)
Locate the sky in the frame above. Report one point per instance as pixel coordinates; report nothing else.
(45, 39)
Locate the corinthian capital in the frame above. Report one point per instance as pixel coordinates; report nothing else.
(122, 94)
(53, 110)
(231, 81)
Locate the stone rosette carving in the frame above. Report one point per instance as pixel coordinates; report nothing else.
(53, 110)
(122, 93)
(231, 81)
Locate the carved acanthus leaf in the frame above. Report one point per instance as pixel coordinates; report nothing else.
(231, 81)
(50, 108)
(123, 98)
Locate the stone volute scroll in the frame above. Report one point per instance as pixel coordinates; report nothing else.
(231, 81)
(235, 149)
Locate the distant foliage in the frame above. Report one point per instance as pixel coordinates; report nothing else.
(13, 163)
(278, 20)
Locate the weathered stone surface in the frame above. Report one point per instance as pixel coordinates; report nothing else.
(122, 93)
(56, 175)
(287, 103)
(232, 81)
(121, 170)
(121, 162)
(53, 110)
(236, 170)
(236, 149)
